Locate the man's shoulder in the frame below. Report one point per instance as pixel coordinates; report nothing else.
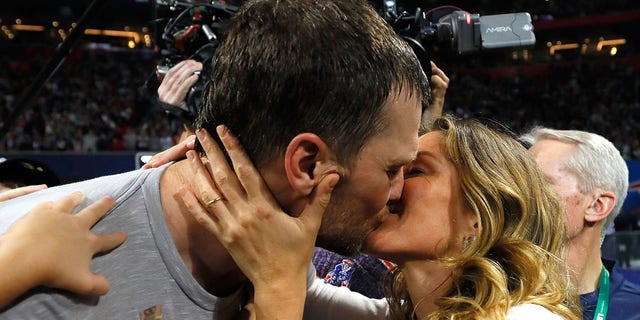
(118, 186)
(620, 284)
(625, 302)
(628, 288)
(625, 296)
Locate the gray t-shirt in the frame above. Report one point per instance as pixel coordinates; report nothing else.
(145, 273)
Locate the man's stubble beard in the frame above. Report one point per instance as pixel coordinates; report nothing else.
(339, 234)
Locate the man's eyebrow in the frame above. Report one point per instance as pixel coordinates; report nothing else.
(395, 163)
(399, 162)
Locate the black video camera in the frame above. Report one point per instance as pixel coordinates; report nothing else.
(464, 32)
(192, 30)
(188, 30)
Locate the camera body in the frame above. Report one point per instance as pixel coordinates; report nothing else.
(193, 30)
(461, 31)
(188, 30)
(469, 32)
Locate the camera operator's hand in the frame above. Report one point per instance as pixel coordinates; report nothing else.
(177, 82)
(439, 83)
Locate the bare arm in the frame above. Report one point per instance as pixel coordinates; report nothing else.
(439, 83)
(49, 246)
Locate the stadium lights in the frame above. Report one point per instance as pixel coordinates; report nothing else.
(114, 33)
(560, 46)
(27, 27)
(613, 42)
(134, 36)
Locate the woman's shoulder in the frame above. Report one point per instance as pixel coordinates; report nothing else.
(531, 311)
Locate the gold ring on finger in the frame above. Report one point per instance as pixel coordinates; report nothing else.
(211, 202)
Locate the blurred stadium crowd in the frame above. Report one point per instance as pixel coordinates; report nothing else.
(598, 96)
(97, 101)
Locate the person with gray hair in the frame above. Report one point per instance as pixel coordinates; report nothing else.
(592, 178)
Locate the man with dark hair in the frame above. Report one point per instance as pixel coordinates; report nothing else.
(325, 76)
(311, 88)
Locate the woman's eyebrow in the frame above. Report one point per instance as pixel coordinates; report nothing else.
(429, 154)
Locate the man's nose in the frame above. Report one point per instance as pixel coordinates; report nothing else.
(397, 184)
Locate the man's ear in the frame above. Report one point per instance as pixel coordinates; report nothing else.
(601, 207)
(307, 160)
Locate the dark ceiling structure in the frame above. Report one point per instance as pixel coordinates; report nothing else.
(116, 13)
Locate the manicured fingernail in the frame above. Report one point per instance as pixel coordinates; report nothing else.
(79, 194)
(200, 134)
(190, 155)
(182, 191)
(191, 143)
(333, 184)
(221, 130)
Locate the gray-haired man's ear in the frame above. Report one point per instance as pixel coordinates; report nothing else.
(601, 207)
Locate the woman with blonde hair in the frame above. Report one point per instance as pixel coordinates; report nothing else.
(492, 232)
(478, 234)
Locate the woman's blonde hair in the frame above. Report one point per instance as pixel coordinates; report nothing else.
(515, 256)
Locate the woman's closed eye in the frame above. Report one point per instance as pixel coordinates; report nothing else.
(418, 169)
(412, 173)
